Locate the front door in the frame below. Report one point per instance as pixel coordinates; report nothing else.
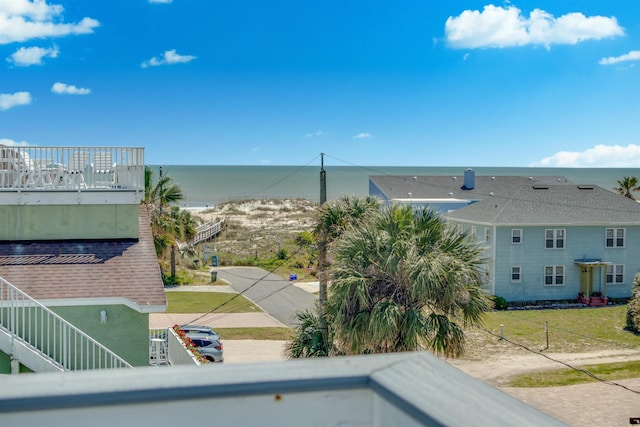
(586, 280)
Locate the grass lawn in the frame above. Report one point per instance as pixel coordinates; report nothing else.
(570, 331)
(562, 377)
(254, 333)
(205, 302)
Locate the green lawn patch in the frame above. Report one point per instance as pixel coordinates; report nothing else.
(254, 333)
(563, 377)
(205, 302)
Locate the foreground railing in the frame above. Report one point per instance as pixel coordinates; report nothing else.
(71, 168)
(49, 334)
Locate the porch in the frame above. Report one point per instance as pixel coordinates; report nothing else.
(593, 285)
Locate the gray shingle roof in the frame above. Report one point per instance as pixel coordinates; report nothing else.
(555, 204)
(443, 187)
(88, 269)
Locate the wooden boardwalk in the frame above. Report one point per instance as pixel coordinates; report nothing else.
(205, 232)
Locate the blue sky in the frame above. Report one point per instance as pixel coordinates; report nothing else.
(388, 83)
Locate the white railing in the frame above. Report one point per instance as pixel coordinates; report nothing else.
(178, 354)
(71, 168)
(45, 332)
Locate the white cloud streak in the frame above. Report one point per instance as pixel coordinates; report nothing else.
(12, 143)
(65, 89)
(10, 100)
(502, 27)
(160, 1)
(363, 135)
(316, 133)
(26, 56)
(634, 55)
(604, 156)
(169, 57)
(22, 20)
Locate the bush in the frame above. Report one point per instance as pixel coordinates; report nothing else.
(633, 307)
(499, 303)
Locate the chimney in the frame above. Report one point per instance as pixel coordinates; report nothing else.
(469, 180)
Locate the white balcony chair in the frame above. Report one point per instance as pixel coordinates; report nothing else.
(103, 169)
(74, 174)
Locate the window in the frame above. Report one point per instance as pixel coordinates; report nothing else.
(615, 274)
(554, 239)
(487, 235)
(516, 274)
(554, 275)
(474, 234)
(614, 237)
(516, 236)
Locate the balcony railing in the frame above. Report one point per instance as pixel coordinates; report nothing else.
(49, 335)
(71, 168)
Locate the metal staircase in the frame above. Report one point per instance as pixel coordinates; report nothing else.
(39, 339)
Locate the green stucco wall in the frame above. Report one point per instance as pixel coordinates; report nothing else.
(64, 222)
(126, 332)
(5, 365)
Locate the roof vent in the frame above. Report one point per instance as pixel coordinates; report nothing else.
(469, 180)
(455, 178)
(493, 178)
(409, 194)
(540, 187)
(450, 194)
(415, 179)
(530, 178)
(492, 194)
(585, 187)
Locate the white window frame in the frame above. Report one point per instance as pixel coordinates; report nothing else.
(557, 235)
(516, 269)
(474, 233)
(487, 234)
(557, 272)
(614, 274)
(516, 234)
(615, 238)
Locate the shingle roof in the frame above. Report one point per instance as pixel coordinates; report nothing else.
(553, 204)
(442, 187)
(88, 269)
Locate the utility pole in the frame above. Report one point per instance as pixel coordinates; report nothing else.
(322, 253)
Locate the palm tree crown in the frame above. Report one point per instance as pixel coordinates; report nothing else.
(627, 185)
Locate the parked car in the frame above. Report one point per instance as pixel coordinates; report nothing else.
(208, 345)
(196, 329)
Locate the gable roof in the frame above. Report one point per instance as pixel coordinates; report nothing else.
(401, 187)
(553, 205)
(88, 272)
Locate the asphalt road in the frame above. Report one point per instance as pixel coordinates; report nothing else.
(274, 295)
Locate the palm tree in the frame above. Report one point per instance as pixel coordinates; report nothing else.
(313, 338)
(627, 185)
(405, 281)
(169, 224)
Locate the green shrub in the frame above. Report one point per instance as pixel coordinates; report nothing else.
(499, 303)
(633, 307)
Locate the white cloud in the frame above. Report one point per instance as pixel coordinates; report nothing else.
(316, 133)
(26, 56)
(10, 100)
(12, 143)
(161, 1)
(599, 156)
(65, 89)
(167, 58)
(501, 27)
(363, 135)
(22, 20)
(634, 55)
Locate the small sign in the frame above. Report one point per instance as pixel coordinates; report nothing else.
(293, 277)
(214, 260)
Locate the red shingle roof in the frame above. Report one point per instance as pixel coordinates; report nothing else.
(88, 269)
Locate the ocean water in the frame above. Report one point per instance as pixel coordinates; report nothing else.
(210, 185)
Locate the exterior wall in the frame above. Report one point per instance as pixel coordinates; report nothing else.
(580, 242)
(5, 365)
(68, 222)
(376, 192)
(126, 331)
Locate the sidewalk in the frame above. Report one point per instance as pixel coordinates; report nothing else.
(215, 320)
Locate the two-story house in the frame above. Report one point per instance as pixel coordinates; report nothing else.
(545, 238)
(78, 270)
